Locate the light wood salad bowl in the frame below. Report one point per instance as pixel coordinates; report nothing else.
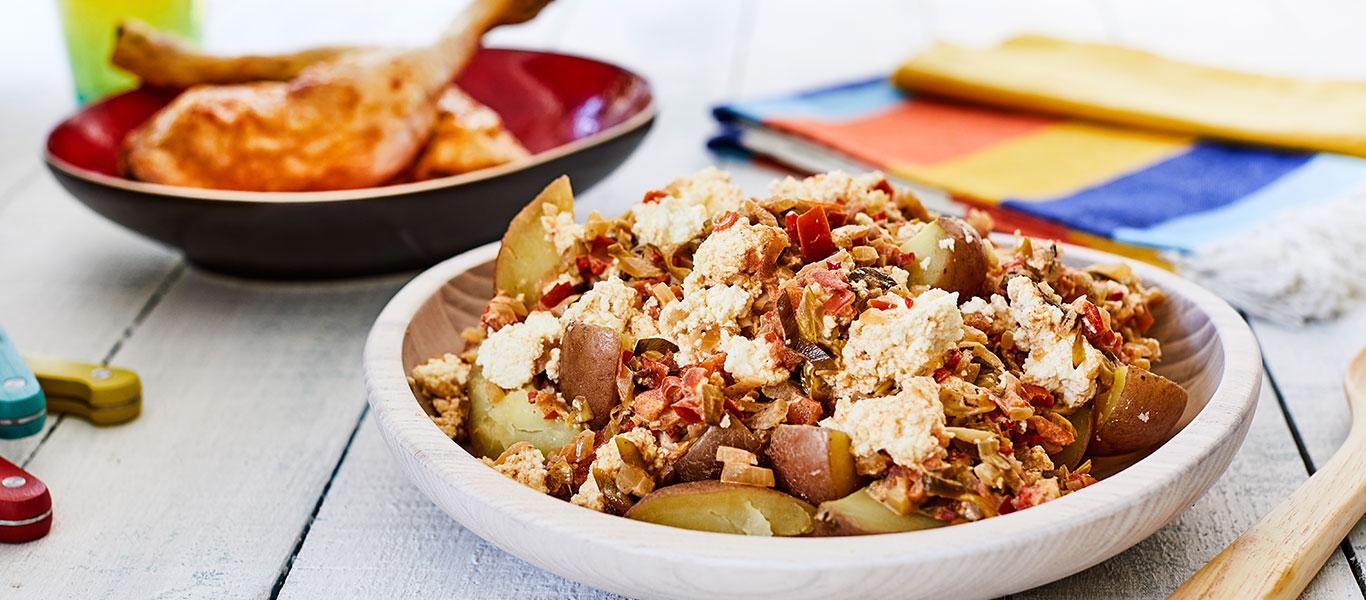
(1207, 347)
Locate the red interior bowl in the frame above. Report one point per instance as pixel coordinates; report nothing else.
(578, 116)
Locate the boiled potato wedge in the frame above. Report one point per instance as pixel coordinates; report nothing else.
(589, 358)
(725, 508)
(813, 463)
(1138, 412)
(699, 463)
(499, 419)
(861, 514)
(957, 260)
(527, 259)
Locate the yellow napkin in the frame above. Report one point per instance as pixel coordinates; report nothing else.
(1131, 87)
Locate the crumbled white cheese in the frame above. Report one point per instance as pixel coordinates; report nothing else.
(523, 463)
(698, 322)
(668, 222)
(898, 274)
(899, 343)
(906, 425)
(753, 361)
(735, 254)
(510, 356)
(552, 365)
(710, 188)
(946, 244)
(443, 377)
(1050, 361)
(609, 304)
(834, 186)
(562, 230)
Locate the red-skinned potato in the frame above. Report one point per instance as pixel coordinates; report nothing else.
(725, 508)
(959, 265)
(589, 358)
(527, 257)
(861, 514)
(1138, 412)
(699, 461)
(813, 463)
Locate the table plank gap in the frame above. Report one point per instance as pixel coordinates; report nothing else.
(327, 487)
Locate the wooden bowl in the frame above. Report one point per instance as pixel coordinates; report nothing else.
(577, 116)
(1208, 349)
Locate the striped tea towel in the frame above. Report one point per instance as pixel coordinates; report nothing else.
(1278, 232)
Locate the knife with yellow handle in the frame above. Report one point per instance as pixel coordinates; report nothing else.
(101, 394)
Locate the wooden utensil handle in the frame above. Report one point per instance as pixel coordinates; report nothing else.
(1285, 550)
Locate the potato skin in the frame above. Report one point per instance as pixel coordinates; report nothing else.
(725, 508)
(813, 463)
(961, 268)
(1137, 417)
(861, 514)
(589, 358)
(527, 256)
(698, 463)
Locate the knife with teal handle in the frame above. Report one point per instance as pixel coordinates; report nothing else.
(22, 405)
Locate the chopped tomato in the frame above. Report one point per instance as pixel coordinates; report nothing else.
(1096, 332)
(653, 196)
(590, 266)
(726, 219)
(837, 217)
(557, 294)
(790, 224)
(813, 232)
(1006, 506)
(1037, 396)
(881, 304)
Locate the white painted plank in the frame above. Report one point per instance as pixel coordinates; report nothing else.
(251, 390)
(70, 282)
(377, 536)
(1265, 471)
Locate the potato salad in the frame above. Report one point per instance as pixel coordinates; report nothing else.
(827, 358)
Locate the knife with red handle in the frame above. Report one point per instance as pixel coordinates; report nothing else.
(25, 505)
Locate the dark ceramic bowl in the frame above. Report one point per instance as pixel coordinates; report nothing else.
(578, 117)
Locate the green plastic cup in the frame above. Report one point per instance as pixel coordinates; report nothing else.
(89, 26)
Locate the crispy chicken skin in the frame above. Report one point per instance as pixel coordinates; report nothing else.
(468, 136)
(354, 121)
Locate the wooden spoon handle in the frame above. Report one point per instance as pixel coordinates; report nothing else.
(1279, 555)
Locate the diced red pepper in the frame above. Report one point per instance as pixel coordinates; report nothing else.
(726, 219)
(1115, 296)
(813, 231)
(1037, 396)
(1007, 506)
(881, 304)
(790, 224)
(556, 294)
(600, 245)
(1096, 332)
(653, 196)
(590, 266)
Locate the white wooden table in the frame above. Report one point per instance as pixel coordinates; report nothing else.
(254, 470)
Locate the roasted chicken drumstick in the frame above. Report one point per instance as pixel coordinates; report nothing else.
(353, 121)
